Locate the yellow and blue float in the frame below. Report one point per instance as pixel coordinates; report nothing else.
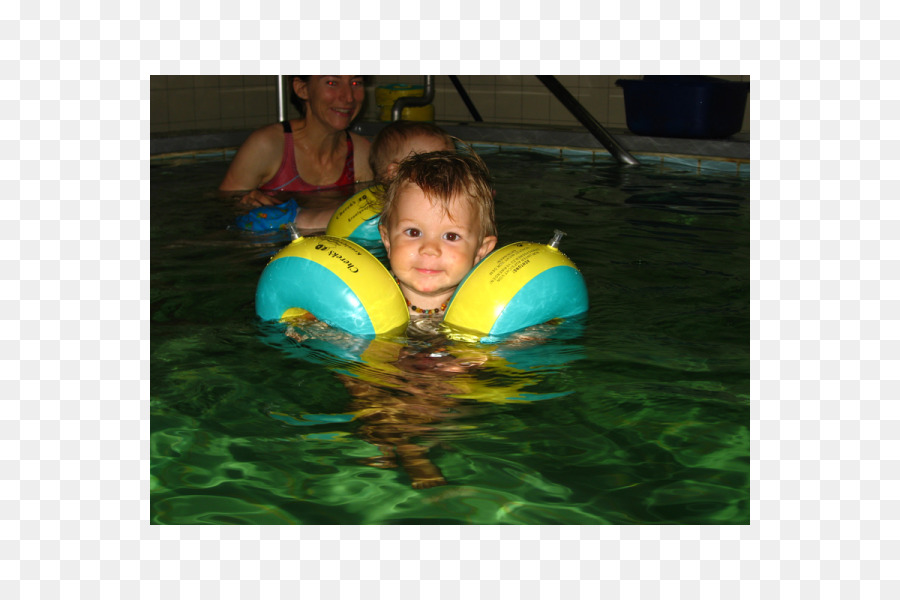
(517, 286)
(337, 281)
(342, 284)
(357, 218)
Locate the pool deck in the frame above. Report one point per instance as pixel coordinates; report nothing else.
(729, 155)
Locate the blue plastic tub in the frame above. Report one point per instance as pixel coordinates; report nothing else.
(684, 106)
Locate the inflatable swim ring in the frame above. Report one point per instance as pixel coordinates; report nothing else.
(337, 281)
(357, 218)
(517, 286)
(342, 284)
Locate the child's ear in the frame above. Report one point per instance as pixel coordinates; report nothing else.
(385, 240)
(392, 169)
(487, 244)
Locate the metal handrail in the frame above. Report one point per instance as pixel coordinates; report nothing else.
(585, 118)
(556, 88)
(465, 98)
(280, 80)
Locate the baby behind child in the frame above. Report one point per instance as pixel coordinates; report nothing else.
(400, 140)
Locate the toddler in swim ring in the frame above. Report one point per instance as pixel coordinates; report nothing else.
(437, 223)
(393, 143)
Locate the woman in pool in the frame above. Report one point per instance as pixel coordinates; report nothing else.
(395, 142)
(315, 152)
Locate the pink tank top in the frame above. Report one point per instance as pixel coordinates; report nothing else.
(287, 179)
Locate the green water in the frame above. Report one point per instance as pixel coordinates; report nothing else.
(636, 414)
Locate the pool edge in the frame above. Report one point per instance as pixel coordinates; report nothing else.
(727, 156)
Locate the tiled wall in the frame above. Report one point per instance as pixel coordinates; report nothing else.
(186, 103)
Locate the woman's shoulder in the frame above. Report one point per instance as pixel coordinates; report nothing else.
(257, 159)
(267, 142)
(272, 134)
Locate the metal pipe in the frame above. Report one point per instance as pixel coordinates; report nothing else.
(404, 101)
(280, 98)
(465, 98)
(586, 119)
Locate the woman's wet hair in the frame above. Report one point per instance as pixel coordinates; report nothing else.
(296, 100)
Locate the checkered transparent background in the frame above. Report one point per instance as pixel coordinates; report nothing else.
(74, 177)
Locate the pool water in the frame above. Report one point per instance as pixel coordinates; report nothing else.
(636, 413)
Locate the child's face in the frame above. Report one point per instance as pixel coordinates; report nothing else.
(431, 252)
(419, 144)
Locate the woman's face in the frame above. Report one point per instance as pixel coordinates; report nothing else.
(335, 100)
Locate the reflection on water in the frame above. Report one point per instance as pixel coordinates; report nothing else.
(411, 393)
(636, 413)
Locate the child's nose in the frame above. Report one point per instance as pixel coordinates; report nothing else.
(430, 246)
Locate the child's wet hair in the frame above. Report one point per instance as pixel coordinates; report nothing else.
(391, 138)
(443, 176)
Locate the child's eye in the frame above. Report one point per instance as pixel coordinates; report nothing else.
(452, 237)
(412, 232)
